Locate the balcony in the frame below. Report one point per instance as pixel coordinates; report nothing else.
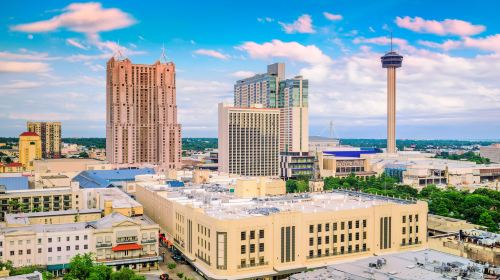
(147, 241)
(128, 239)
(104, 245)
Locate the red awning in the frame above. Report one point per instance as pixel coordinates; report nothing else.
(125, 247)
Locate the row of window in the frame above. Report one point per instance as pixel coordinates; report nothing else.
(251, 234)
(319, 227)
(251, 248)
(342, 238)
(59, 249)
(410, 218)
(319, 252)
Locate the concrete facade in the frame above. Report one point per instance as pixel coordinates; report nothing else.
(226, 237)
(249, 141)
(141, 115)
(50, 133)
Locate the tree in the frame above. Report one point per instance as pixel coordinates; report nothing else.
(46, 275)
(80, 267)
(302, 186)
(126, 274)
(291, 186)
(83, 155)
(100, 272)
(486, 220)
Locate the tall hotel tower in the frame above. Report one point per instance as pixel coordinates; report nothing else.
(50, 133)
(290, 96)
(391, 61)
(141, 114)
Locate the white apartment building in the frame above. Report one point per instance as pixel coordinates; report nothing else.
(249, 140)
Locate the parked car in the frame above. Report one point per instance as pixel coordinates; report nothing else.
(164, 276)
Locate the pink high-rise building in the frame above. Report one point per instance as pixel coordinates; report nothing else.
(141, 114)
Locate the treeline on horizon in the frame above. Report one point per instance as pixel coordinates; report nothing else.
(200, 144)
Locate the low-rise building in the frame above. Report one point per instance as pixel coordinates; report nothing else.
(228, 237)
(491, 152)
(334, 166)
(115, 240)
(52, 217)
(113, 200)
(414, 265)
(40, 200)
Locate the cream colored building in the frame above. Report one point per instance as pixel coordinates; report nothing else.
(35, 200)
(115, 240)
(50, 133)
(492, 152)
(30, 149)
(249, 140)
(228, 237)
(52, 217)
(332, 166)
(112, 200)
(261, 186)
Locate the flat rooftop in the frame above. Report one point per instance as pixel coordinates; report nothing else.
(411, 265)
(23, 218)
(218, 202)
(118, 198)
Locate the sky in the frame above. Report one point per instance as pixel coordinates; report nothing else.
(53, 56)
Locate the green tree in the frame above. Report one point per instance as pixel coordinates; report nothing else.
(126, 274)
(80, 267)
(486, 220)
(47, 275)
(100, 272)
(291, 186)
(302, 186)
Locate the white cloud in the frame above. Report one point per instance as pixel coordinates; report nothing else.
(302, 25)
(445, 27)
(81, 17)
(445, 46)
(489, 43)
(25, 54)
(291, 50)
(332, 17)
(75, 43)
(265, 19)
(23, 67)
(211, 53)
(242, 74)
(21, 84)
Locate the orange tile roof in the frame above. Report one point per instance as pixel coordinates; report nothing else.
(125, 247)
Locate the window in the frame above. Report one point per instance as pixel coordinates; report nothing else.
(261, 260)
(50, 240)
(404, 230)
(364, 223)
(59, 239)
(261, 233)
(39, 250)
(364, 234)
(58, 249)
(327, 239)
(12, 253)
(243, 249)
(311, 228)
(334, 226)
(85, 246)
(319, 227)
(349, 224)
(20, 252)
(349, 236)
(261, 247)
(410, 218)
(67, 238)
(39, 241)
(357, 224)
(327, 252)
(342, 225)
(403, 241)
(252, 234)
(416, 217)
(311, 253)
(28, 252)
(356, 236)
(77, 247)
(342, 238)
(319, 252)
(416, 229)
(335, 239)
(243, 235)
(319, 240)
(77, 238)
(85, 237)
(364, 246)
(19, 242)
(404, 219)
(411, 229)
(243, 262)
(252, 248)
(327, 227)
(410, 241)
(416, 240)
(349, 248)
(68, 248)
(49, 249)
(356, 248)
(311, 241)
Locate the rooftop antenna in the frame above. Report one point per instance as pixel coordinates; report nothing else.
(163, 56)
(391, 40)
(118, 53)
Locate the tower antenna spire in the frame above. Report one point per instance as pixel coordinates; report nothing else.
(163, 55)
(391, 40)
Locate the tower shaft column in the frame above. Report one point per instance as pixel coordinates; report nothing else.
(391, 110)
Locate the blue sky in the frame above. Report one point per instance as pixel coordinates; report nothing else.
(53, 55)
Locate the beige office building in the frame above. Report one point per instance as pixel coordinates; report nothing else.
(50, 133)
(492, 152)
(249, 140)
(229, 237)
(141, 114)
